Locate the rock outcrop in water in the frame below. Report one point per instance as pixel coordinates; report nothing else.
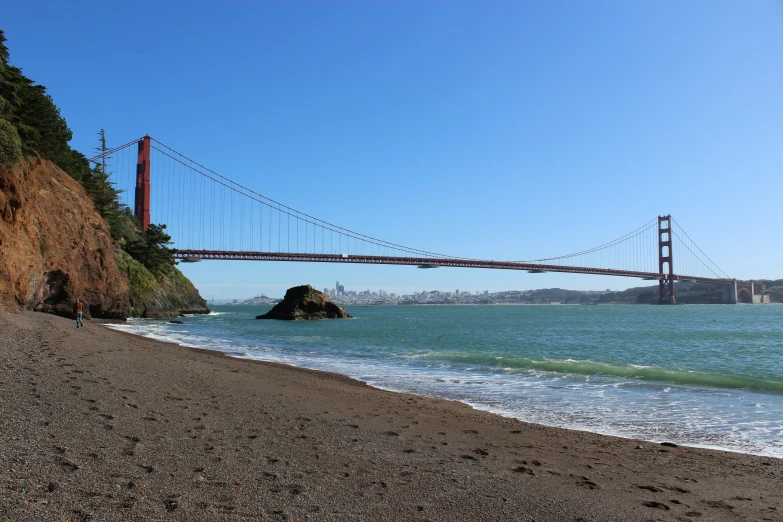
(305, 302)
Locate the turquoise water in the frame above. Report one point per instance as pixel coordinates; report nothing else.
(701, 375)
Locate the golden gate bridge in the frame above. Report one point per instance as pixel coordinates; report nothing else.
(223, 220)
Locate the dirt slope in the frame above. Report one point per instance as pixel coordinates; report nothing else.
(54, 246)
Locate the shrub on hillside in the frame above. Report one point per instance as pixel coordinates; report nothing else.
(152, 250)
(10, 145)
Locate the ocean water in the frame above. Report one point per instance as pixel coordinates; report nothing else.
(699, 375)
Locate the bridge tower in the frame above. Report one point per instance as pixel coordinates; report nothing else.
(665, 265)
(142, 203)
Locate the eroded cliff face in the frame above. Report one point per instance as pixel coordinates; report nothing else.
(173, 295)
(54, 246)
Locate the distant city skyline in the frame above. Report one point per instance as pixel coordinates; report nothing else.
(249, 291)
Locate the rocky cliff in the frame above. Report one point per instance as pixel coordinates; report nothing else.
(159, 296)
(174, 295)
(55, 247)
(305, 302)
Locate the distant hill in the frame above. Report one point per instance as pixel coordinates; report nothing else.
(774, 288)
(686, 293)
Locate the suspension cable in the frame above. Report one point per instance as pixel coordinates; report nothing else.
(702, 252)
(295, 213)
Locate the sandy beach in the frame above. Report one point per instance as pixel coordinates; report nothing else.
(100, 425)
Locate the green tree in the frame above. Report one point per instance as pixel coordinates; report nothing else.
(100, 186)
(152, 250)
(10, 144)
(124, 226)
(645, 297)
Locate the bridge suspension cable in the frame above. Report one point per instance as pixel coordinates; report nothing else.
(697, 261)
(634, 251)
(637, 251)
(303, 232)
(208, 215)
(206, 210)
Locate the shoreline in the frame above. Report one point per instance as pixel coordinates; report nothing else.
(679, 438)
(123, 426)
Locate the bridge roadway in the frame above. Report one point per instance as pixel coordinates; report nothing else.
(199, 255)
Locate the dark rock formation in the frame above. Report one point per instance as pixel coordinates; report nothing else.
(305, 302)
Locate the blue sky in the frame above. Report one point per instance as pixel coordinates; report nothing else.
(499, 130)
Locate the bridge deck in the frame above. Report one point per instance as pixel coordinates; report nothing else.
(429, 263)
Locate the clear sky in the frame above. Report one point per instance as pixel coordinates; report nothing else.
(499, 130)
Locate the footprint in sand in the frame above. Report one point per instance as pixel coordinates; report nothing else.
(587, 483)
(69, 465)
(719, 504)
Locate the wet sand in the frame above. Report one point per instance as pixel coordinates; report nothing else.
(100, 425)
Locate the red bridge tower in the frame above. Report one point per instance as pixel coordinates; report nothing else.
(665, 264)
(142, 204)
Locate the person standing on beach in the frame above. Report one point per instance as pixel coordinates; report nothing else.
(78, 309)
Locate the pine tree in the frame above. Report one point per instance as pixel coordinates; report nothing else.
(153, 251)
(100, 187)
